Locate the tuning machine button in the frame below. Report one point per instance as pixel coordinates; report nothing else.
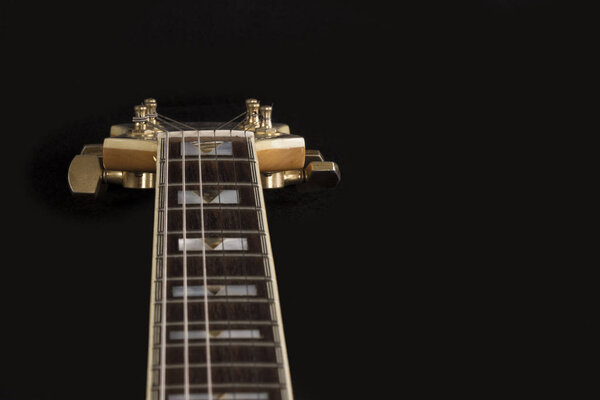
(87, 176)
(320, 175)
(317, 174)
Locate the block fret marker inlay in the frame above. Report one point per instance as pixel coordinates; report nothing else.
(216, 290)
(209, 197)
(208, 148)
(214, 244)
(217, 334)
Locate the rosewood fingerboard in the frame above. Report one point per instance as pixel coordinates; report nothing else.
(215, 320)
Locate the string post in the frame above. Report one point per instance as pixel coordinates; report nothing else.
(152, 114)
(151, 110)
(266, 125)
(265, 117)
(252, 120)
(139, 119)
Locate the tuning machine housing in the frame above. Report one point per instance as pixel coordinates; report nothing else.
(128, 156)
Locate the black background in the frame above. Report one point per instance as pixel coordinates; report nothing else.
(381, 278)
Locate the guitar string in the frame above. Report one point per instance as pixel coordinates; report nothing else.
(205, 278)
(186, 383)
(164, 118)
(231, 120)
(227, 316)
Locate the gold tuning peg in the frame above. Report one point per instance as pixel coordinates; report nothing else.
(252, 120)
(322, 174)
(87, 176)
(317, 174)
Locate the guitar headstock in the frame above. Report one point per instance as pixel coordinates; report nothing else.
(128, 156)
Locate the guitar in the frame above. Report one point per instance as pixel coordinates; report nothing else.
(216, 328)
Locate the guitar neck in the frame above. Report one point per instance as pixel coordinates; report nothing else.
(215, 321)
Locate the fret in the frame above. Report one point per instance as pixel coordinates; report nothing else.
(218, 207)
(222, 277)
(230, 364)
(265, 391)
(223, 396)
(222, 171)
(230, 322)
(214, 219)
(218, 264)
(216, 232)
(226, 343)
(218, 288)
(190, 157)
(220, 374)
(232, 385)
(212, 184)
(214, 299)
(241, 311)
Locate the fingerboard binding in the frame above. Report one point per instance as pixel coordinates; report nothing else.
(241, 287)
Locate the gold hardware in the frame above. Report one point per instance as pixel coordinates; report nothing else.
(277, 180)
(322, 174)
(144, 126)
(86, 175)
(312, 155)
(252, 120)
(139, 120)
(115, 177)
(138, 180)
(265, 117)
(254, 113)
(316, 175)
(266, 129)
(129, 180)
(151, 107)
